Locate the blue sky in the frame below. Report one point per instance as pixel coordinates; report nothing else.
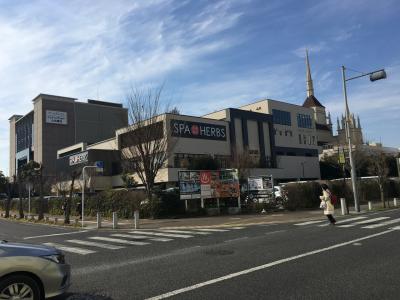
(209, 54)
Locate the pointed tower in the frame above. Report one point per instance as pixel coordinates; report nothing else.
(310, 86)
(323, 123)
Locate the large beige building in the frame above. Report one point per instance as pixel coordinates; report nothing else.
(57, 122)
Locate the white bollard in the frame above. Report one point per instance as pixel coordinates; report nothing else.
(115, 220)
(98, 220)
(343, 206)
(136, 218)
(369, 205)
(395, 202)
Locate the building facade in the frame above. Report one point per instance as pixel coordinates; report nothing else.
(57, 122)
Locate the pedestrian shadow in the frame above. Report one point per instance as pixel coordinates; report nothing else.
(74, 296)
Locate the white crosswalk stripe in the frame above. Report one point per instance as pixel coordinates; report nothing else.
(70, 249)
(211, 229)
(309, 223)
(95, 244)
(184, 231)
(118, 241)
(382, 224)
(364, 222)
(344, 221)
(141, 237)
(162, 234)
(236, 227)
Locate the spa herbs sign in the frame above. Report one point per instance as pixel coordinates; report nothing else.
(197, 130)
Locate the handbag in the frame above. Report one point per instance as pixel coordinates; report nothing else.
(322, 205)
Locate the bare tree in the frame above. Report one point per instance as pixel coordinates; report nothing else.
(378, 167)
(145, 145)
(243, 162)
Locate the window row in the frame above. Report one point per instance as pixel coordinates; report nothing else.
(281, 117)
(304, 121)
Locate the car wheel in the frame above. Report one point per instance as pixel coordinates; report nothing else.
(20, 287)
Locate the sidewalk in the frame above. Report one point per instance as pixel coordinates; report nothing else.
(214, 221)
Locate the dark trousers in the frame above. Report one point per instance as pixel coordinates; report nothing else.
(331, 219)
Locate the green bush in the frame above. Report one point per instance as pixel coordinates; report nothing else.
(303, 195)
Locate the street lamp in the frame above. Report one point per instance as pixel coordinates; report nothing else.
(373, 76)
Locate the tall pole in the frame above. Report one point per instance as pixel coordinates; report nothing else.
(29, 197)
(83, 194)
(352, 163)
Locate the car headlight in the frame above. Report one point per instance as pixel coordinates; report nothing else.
(57, 258)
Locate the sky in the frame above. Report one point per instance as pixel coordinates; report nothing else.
(209, 55)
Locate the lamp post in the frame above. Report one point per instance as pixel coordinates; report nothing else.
(83, 190)
(375, 75)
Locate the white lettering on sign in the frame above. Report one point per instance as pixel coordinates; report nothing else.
(198, 130)
(56, 117)
(78, 158)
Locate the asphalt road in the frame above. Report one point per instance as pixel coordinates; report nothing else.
(272, 261)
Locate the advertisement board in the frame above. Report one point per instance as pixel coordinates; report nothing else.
(261, 187)
(208, 184)
(198, 130)
(79, 158)
(56, 117)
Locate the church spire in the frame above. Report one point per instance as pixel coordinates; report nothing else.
(310, 88)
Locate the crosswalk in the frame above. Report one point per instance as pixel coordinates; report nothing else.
(116, 241)
(362, 222)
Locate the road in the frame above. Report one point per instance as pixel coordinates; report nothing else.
(356, 259)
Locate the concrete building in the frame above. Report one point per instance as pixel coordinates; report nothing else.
(275, 145)
(57, 122)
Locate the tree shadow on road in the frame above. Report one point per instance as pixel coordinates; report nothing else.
(70, 296)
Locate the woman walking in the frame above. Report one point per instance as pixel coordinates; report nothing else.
(326, 203)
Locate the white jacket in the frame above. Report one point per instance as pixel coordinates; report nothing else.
(329, 208)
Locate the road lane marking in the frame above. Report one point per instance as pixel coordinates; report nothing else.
(162, 234)
(309, 222)
(141, 237)
(55, 234)
(262, 267)
(235, 240)
(184, 231)
(95, 244)
(76, 250)
(344, 221)
(211, 229)
(382, 224)
(364, 222)
(236, 227)
(120, 241)
(273, 232)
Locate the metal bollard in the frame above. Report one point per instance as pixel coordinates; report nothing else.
(115, 220)
(98, 220)
(395, 202)
(343, 206)
(136, 218)
(369, 205)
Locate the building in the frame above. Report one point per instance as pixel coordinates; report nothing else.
(277, 145)
(57, 122)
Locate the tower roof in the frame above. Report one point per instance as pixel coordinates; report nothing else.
(311, 101)
(310, 87)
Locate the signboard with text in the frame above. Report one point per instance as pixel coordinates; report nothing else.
(209, 184)
(56, 117)
(197, 130)
(261, 187)
(79, 158)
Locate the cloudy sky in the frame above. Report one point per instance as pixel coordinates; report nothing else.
(209, 54)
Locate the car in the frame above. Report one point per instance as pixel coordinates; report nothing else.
(32, 272)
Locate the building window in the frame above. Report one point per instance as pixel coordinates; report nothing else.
(280, 132)
(313, 140)
(304, 121)
(304, 139)
(299, 138)
(281, 117)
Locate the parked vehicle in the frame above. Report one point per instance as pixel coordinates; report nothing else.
(32, 272)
